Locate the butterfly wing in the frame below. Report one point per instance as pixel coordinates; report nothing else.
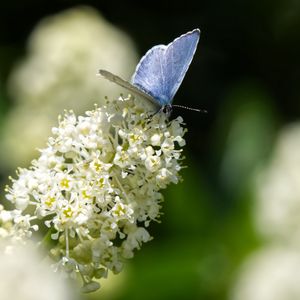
(162, 69)
(148, 75)
(179, 55)
(125, 84)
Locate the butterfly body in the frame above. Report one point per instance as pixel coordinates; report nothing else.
(161, 70)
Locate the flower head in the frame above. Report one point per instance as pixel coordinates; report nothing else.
(63, 52)
(277, 208)
(271, 273)
(24, 275)
(97, 184)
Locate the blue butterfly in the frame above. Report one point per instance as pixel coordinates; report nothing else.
(161, 70)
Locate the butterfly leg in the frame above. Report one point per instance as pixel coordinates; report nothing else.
(153, 114)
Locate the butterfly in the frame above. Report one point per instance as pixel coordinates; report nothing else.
(160, 72)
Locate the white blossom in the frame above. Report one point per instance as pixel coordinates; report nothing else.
(63, 52)
(271, 273)
(96, 186)
(25, 276)
(277, 209)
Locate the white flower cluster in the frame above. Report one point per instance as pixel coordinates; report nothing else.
(96, 185)
(272, 272)
(278, 190)
(25, 275)
(63, 52)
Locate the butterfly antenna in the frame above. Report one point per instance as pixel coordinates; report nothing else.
(190, 108)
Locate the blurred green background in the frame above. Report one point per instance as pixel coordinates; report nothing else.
(245, 73)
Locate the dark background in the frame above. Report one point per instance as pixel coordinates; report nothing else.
(246, 74)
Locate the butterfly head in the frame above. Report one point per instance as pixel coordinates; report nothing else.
(167, 109)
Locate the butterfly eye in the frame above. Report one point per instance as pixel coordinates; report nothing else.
(167, 109)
